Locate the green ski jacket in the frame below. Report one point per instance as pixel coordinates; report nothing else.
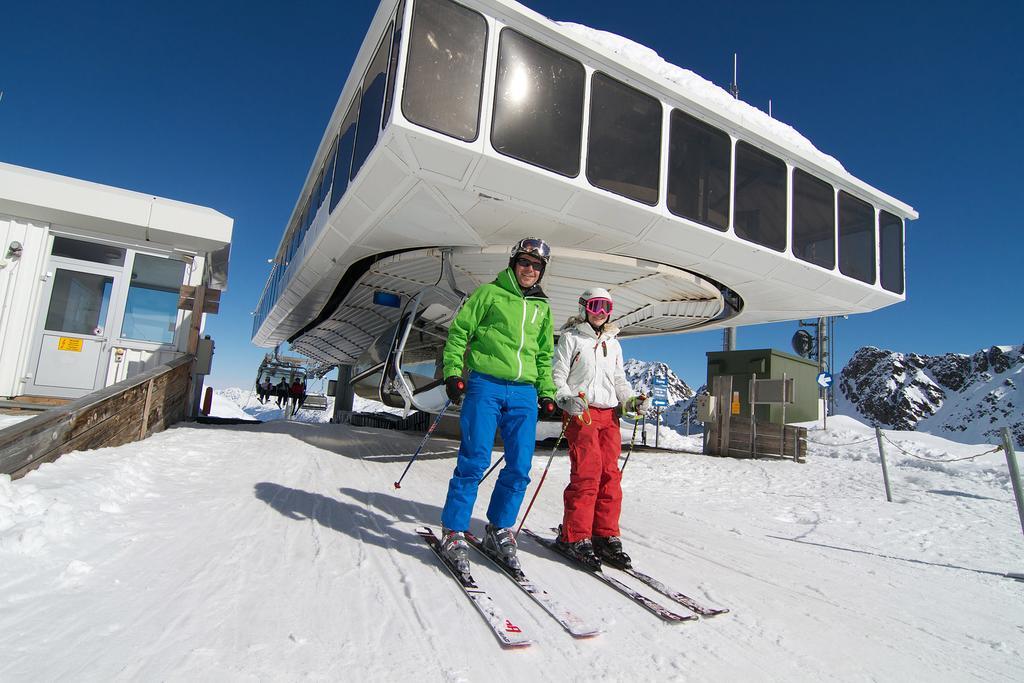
(509, 334)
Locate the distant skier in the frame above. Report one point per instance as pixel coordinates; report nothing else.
(589, 360)
(507, 327)
(281, 389)
(297, 392)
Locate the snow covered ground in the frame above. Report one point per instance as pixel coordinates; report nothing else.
(281, 551)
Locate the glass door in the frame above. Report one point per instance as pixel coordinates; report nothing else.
(78, 313)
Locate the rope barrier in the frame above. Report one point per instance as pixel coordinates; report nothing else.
(996, 449)
(852, 443)
(919, 457)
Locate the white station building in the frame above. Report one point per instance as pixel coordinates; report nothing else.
(90, 277)
(465, 126)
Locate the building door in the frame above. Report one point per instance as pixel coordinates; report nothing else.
(76, 324)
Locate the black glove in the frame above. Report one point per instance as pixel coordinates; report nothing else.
(455, 387)
(547, 407)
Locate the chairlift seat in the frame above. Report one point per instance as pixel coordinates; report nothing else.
(315, 402)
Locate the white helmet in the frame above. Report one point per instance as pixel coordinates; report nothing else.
(595, 294)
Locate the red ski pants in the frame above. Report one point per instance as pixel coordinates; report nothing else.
(593, 498)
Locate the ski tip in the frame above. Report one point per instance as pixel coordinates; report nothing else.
(585, 635)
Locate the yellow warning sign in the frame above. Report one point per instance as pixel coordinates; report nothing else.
(69, 344)
(735, 403)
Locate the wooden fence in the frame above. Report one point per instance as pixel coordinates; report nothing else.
(122, 413)
(744, 437)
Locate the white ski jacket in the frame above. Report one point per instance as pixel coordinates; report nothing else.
(590, 363)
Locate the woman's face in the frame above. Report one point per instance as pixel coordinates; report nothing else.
(597, 319)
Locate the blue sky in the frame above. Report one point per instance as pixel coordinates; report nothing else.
(223, 103)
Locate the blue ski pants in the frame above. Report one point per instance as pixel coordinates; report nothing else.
(491, 403)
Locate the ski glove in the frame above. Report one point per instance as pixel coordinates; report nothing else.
(547, 406)
(574, 405)
(637, 405)
(455, 387)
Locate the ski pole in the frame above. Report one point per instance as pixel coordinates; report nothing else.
(488, 472)
(437, 420)
(632, 440)
(565, 425)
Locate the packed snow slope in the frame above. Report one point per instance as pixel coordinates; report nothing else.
(281, 551)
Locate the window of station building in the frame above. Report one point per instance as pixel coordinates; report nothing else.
(699, 166)
(760, 202)
(343, 158)
(890, 229)
(624, 142)
(538, 105)
(814, 220)
(444, 72)
(151, 308)
(396, 44)
(372, 104)
(88, 251)
(309, 210)
(328, 173)
(856, 238)
(317, 193)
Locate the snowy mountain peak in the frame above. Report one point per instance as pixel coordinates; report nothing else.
(963, 396)
(641, 374)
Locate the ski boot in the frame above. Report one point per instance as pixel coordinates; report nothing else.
(455, 550)
(501, 543)
(609, 549)
(582, 551)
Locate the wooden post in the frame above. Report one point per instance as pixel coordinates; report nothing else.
(145, 410)
(726, 412)
(197, 319)
(194, 329)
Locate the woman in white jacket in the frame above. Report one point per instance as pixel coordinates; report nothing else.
(588, 362)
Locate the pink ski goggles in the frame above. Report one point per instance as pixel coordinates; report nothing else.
(598, 306)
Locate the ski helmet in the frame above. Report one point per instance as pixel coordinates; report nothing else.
(595, 300)
(532, 246)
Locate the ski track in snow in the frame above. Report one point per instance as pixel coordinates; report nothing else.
(282, 551)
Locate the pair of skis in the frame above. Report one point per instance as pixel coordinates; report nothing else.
(510, 635)
(507, 633)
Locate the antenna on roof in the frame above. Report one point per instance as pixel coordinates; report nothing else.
(1, 95)
(770, 107)
(735, 87)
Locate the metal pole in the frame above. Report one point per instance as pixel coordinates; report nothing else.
(632, 441)
(551, 457)
(885, 469)
(822, 392)
(437, 420)
(1011, 463)
(488, 472)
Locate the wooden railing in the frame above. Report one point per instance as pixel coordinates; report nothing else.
(743, 437)
(122, 413)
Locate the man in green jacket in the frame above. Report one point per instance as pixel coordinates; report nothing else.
(507, 327)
